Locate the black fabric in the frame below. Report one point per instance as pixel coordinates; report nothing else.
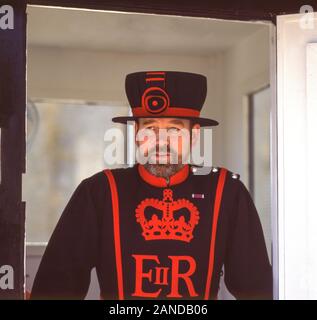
(204, 122)
(185, 89)
(84, 239)
(156, 91)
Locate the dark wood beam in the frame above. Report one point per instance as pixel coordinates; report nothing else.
(12, 123)
(230, 9)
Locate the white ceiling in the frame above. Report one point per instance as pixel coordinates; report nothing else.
(133, 32)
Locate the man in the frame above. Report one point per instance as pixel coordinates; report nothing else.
(157, 230)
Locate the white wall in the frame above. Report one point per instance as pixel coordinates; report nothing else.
(98, 75)
(246, 69)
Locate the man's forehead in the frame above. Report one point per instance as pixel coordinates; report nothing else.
(162, 121)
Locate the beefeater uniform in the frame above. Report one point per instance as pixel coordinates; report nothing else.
(154, 238)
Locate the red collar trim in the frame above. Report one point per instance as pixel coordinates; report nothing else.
(176, 178)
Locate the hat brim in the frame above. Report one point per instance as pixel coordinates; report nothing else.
(204, 122)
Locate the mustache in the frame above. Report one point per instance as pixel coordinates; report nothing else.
(158, 148)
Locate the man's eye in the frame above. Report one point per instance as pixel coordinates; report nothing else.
(150, 128)
(173, 129)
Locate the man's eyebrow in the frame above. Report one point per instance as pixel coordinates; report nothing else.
(172, 121)
(148, 122)
(176, 121)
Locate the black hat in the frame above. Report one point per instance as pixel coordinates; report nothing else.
(171, 94)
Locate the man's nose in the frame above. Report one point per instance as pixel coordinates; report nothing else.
(162, 141)
(162, 146)
(162, 135)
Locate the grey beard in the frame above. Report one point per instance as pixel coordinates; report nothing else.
(163, 170)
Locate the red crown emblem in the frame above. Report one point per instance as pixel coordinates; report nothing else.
(169, 227)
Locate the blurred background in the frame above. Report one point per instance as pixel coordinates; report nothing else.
(77, 61)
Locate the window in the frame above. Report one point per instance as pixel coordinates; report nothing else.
(65, 144)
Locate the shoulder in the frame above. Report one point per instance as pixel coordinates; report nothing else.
(214, 172)
(232, 182)
(95, 188)
(100, 177)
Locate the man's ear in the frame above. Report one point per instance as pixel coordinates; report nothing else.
(195, 133)
(136, 128)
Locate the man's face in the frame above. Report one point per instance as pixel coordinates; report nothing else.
(165, 140)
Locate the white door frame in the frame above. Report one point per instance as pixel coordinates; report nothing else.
(273, 164)
(296, 147)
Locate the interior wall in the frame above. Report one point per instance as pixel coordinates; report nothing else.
(246, 69)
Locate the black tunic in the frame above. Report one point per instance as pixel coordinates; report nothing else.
(157, 244)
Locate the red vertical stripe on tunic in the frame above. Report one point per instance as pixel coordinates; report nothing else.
(219, 190)
(116, 229)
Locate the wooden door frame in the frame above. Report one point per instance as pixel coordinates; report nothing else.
(13, 98)
(247, 10)
(12, 123)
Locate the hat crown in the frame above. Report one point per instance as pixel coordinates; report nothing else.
(173, 94)
(165, 92)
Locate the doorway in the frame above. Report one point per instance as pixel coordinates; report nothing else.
(73, 73)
